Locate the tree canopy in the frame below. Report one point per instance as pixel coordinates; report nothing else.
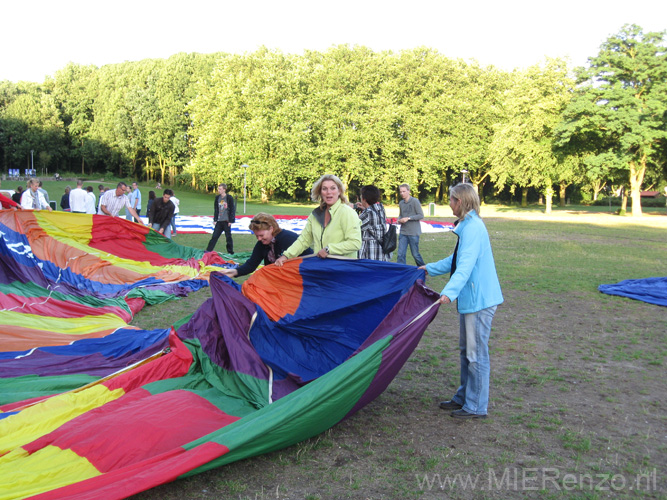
(380, 118)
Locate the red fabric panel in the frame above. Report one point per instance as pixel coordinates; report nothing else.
(114, 235)
(140, 476)
(164, 421)
(173, 364)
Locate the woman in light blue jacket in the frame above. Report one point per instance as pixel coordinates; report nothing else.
(474, 282)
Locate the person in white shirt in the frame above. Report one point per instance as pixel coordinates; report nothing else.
(176, 203)
(77, 198)
(32, 198)
(90, 201)
(113, 200)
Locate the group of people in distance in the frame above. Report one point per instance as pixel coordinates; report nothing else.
(334, 228)
(161, 212)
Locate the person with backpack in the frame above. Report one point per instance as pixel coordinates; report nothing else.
(373, 225)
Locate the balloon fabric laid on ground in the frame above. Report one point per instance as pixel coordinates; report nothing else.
(251, 371)
(651, 290)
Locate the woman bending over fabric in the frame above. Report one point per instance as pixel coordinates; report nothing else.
(272, 241)
(373, 224)
(333, 228)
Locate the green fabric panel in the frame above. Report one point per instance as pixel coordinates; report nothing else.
(157, 243)
(152, 297)
(234, 393)
(298, 416)
(33, 386)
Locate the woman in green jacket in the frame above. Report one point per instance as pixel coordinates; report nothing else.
(333, 228)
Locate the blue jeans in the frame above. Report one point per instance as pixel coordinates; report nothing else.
(474, 332)
(167, 230)
(403, 241)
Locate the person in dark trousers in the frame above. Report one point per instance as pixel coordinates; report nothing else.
(224, 214)
(162, 210)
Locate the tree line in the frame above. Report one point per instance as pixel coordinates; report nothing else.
(380, 118)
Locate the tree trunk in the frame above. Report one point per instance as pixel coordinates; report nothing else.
(636, 180)
(548, 195)
(561, 194)
(524, 197)
(624, 200)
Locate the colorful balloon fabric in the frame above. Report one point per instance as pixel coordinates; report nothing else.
(256, 368)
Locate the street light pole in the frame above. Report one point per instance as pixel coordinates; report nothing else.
(32, 165)
(463, 174)
(245, 170)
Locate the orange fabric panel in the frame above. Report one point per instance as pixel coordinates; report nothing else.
(278, 289)
(17, 338)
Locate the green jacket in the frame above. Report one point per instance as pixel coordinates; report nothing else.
(342, 236)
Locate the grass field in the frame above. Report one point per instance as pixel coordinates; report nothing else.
(578, 396)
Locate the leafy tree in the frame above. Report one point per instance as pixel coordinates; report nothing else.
(521, 153)
(619, 112)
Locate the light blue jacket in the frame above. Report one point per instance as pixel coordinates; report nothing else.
(475, 281)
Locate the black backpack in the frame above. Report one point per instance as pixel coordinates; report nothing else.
(389, 240)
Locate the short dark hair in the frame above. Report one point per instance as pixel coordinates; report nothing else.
(121, 184)
(371, 194)
(224, 186)
(168, 191)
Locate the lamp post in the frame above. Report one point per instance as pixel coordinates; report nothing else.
(245, 170)
(32, 165)
(463, 174)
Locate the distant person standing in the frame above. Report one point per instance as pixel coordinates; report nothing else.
(64, 199)
(77, 198)
(177, 204)
(373, 224)
(90, 201)
(16, 197)
(410, 215)
(135, 200)
(43, 191)
(224, 214)
(32, 198)
(161, 213)
(149, 203)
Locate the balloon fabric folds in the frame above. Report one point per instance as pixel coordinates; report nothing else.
(256, 368)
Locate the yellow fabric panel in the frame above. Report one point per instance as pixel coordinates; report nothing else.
(40, 419)
(26, 475)
(70, 326)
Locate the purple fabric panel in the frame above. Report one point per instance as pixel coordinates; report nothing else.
(221, 325)
(96, 364)
(11, 271)
(404, 338)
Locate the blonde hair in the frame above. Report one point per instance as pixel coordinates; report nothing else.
(264, 221)
(467, 195)
(316, 192)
